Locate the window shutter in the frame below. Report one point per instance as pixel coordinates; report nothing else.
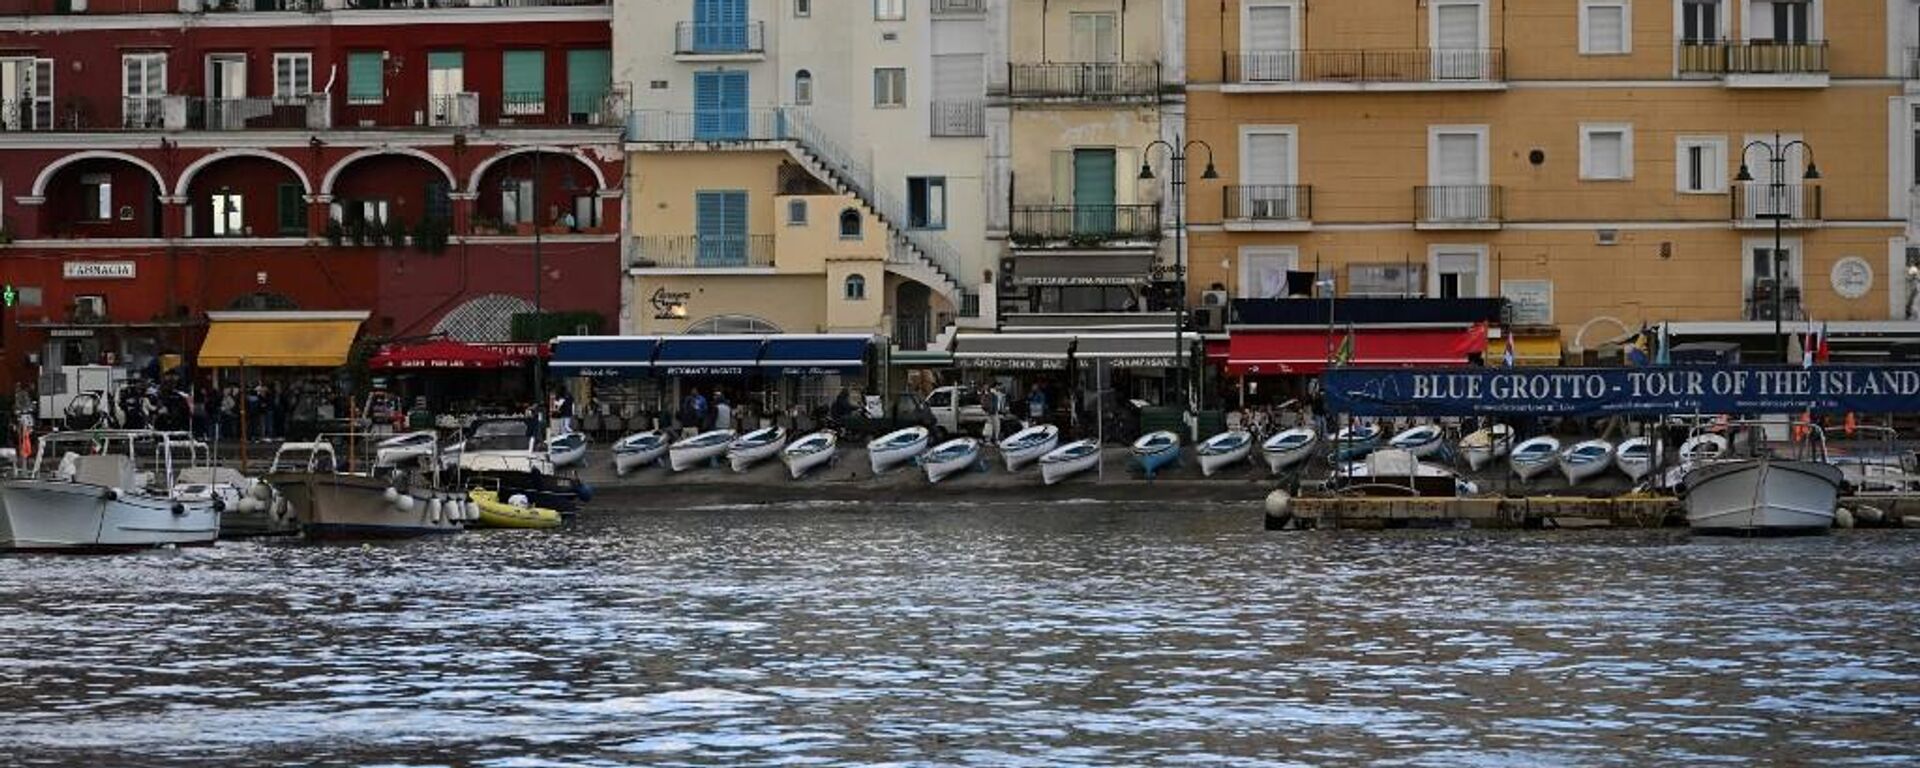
(1606, 155)
(364, 84)
(1606, 29)
(1459, 161)
(1459, 27)
(293, 210)
(524, 77)
(1270, 28)
(1267, 158)
(589, 77)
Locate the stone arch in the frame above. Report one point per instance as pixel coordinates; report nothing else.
(333, 174)
(46, 174)
(480, 171)
(193, 168)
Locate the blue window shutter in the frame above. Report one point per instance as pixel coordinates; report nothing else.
(706, 105)
(734, 106)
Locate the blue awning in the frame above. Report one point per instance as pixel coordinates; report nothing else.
(708, 355)
(804, 355)
(603, 356)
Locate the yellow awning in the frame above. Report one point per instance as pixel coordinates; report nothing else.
(279, 339)
(1527, 350)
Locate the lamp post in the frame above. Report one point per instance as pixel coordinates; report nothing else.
(1177, 158)
(1777, 154)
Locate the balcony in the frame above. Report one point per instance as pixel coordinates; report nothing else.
(1083, 82)
(1367, 311)
(701, 40)
(204, 114)
(957, 117)
(959, 7)
(1757, 64)
(1267, 206)
(695, 252)
(1413, 69)
(1461, 206)
(662, 126)
(1761, 304)
(1085, 225)
(458, 110)
(1760, 204)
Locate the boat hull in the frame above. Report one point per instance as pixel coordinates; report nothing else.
(1761, 496)
(567, 457)
(1278, 461)
(1157, 460)
(798, 465)
(626, 461)
(1529, 468)
(1060, 469)
(357, 507)
(943, 462)
(65, 516)
(889, 453)
(683, 459)
(543, 490)
(1214, 462)
(742, 459)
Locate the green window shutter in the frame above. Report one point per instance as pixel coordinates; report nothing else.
(445, 60)
(589, 75)
(293, 210)
(364, 84)
(523, 82)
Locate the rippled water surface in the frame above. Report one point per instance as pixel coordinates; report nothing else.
(1048, 635)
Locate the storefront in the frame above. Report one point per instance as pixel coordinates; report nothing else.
(294, 364)
(642, 381)
(443, 372)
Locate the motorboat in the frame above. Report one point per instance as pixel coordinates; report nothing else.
(1069, 460)
(1635, 457)
(699, 449)
(640, 449)
(1533, 456)
(1421, 441)
(1223, 449)
(803, 455)
(1486, 444)
(950, 457)
(506, 453)
(1029, 445)
(402, 449)
(88, 491)
(250, 506)
(567, 450)
(514, 512)
(1155, 450)
(1764, 494)
(750, 448)
(896, 447)
(1586, 459)
(1355, 441)
(1289, 448)
(396, 502)
(1884, 469)
(1704, 447)
(1397, 472)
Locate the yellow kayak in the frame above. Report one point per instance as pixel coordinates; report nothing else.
(495, 513)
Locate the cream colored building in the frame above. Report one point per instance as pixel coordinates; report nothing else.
(1577, 158)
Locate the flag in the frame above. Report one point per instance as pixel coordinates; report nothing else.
(1662, 356)
(1344, 354)
(1636, 354)
(1506, 358)
(1823, 352)
(1806, 350)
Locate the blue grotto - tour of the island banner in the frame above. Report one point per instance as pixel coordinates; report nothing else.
(1587, 391)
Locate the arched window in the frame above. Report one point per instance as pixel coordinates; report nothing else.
(803, 87)
(856, 288)
(850, 224)
(731, 324)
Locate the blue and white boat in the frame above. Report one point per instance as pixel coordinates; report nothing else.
(1069, 460)
(700, 448)
(748, 449)
(1355, 442)
(950, 457)
(1531, 457)
(640, 449)
(1223, 449)
(1635, 457)
(1028, 445)
(1486, 444)
(1421, 441)
(1586, 460)
(802, 455)
(1289, 448)
(896, 447)
(1155, 450)
(567, 450)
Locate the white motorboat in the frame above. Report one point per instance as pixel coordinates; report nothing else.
(1289, 448)
(1533, 456)
(699, 449)
(1761, 495)
(1397, 472)
(1421, 441)
(752, 447)
(1586, 459)
(814, 450)
(1703, 447)
(1486, 444)
(1028, 445)
(1635, 457)
(1223, 450)
(250, 507)
(401, 502)
(895, 447)
(567, 450)
(1355, 441)
(949, 457)
(640, 449)
(1155, 450)
(97, 496)
(402, 449)
(1069, 460)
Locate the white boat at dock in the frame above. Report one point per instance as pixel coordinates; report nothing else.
(567, 450)
(1155, 450)
(249, 506)
(752, 447)
(640, 449)
(1486, 444)
(1635, 457)
(399, 502)
(699, 449)
(402, 449)
(950, 457)
(1397, 472)
(1355, 441)
(1029, 445)
(1069, 460)
(1764, 494)
(96, 495)
(803, 455)
(897, 447)
(1586, 460)
(1422, 441)
(1288, 448)
(1223, 450)
(1533, 456)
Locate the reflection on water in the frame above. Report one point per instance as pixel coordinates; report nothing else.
(1064, 635)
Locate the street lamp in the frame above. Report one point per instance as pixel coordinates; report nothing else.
(1777, 154)
(1177, 158)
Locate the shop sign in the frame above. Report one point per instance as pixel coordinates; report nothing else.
(669, 305)
(1142, 361)
(97, 270)
(1013, 363)
(707, 370)
(71, 333)
(1600, 391)
(1080, 280)
(1530, 302)
(516, 350)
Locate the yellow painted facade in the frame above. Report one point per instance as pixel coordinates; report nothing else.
(1612, 252)
(1045, 31)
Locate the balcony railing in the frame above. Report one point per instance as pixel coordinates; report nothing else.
(1760, 301)
(702, 252)
(26, 115)
(1757, 201)
(1458, 204)
(204, 114)
(699, 38)
(760, 124)
(1268, 202)
(960, 117)
(959, 7)
(1753, 58)
(1418, 65)
(143, 113)
(458, 110)
(1082, 81)
(1086, 223)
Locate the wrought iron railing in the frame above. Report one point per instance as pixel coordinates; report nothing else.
(248, 114)
(1758, 57)
(1268, 202)
(944, 7)
(1458, 204)
(1766, 201)
(701, 38)
(143, 113)
(1082, 81)
(1088, 223)
(1761, 301)
(962, 117)
(1367, 66)
(701, 252)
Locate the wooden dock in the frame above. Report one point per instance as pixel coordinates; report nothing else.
(1478, 512)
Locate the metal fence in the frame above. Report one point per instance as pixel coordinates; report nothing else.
(204, 114)
(1464, 203)
(701, 252)
(1752, 58)
(1268, 202)
(1766, 201)
(963, 117)
(1139, 221)
(1082, 81)
(719, 38)
(1369, 66)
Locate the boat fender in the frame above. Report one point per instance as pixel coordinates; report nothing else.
(219, 505)
(1869, 514)
(179, 509)
(110, 494)
(519, 500)
(1843, 518)
(406, 503)
(392, 495)
(1279, 504)
(261, 491)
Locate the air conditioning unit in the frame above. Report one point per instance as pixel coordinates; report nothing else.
(1211, 319)
(1213, 298)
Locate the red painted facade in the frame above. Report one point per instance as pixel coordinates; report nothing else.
(253, 202)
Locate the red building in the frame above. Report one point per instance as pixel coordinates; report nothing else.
(160, 159)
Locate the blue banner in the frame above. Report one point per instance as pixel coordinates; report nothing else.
(1595, 391)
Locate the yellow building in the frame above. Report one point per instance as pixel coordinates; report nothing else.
(1582, 159)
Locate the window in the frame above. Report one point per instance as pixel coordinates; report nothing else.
(1267, 162)
(446, 80)
(720, 227)
(143, 83)
(589, 80)
(1263, 272)
(1267, 33)
(1700, 21)
(1606, 152)
(364, 77)
(225, 206)
(889, 10)
(802, 8)
(803, 87)
(1606, 27)
(1791, 20)
(439, 204)
(1458, 272)
(850, 224)
(292, 204)
(796, 213)
(292, 77)
(1384, 280)
(96, 197)
(927, 202)
(516, 201)
(889, 87)
(26, 82)
(856, 288)
(1093, 38)
(523, 82)
(1700, 164)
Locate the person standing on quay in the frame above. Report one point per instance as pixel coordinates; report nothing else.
(562, 412)
(722, 411)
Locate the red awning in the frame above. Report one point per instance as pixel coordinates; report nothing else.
(446, 354)
(1305, 351)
